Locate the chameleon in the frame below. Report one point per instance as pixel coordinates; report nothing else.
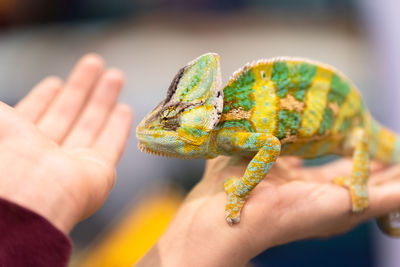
(270, 107)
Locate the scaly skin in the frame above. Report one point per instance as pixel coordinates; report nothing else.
(282, 106)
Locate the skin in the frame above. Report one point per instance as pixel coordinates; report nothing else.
(198, 236)
(61, 143)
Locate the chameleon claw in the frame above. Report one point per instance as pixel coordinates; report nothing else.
(231, 220)
(228, 218)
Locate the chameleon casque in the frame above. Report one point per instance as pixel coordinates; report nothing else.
(281, 106)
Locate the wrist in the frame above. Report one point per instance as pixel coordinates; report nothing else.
(50, 205)
(190, 242)
(38, 192)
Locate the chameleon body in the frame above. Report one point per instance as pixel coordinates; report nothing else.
(282, 106)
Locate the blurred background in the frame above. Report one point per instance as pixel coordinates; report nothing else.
(150, 40)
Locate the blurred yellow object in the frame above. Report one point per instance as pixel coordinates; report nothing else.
(136, 232)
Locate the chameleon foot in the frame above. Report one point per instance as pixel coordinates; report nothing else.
(358, 193)
(233, 207)
(234, 203)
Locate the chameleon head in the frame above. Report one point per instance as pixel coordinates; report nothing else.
(181, 124)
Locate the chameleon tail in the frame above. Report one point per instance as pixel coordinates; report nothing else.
(385, 147)
(384, 143)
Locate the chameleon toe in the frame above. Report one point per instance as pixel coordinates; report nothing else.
(232, 220)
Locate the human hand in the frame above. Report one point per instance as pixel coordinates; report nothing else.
(291, 203)
(60, 145)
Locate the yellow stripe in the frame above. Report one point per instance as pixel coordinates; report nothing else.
(135, 235)
(386, 143)
(316, 100)
(266, 101)
(348, 109)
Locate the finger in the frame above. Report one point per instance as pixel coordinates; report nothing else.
(386, 175)
(32, 106)
(340, 167)
(69, 102)
(8, 121)
(14, 127)
(112, 139)
(291, 161)
(327, 172)
(99, 106)
(376, 166)
(384, 199)
(384, 196)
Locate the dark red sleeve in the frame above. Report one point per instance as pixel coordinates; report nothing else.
(28, 239)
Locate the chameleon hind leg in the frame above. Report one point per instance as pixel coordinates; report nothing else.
(357, 181)
(238, 189)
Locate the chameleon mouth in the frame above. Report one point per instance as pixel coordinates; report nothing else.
(143, 148)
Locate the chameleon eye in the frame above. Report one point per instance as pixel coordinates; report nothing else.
(167, 114)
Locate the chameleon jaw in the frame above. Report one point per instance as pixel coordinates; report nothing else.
(143, 148)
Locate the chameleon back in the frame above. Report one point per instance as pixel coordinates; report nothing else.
(310, 107)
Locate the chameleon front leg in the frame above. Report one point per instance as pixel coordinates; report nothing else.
(357, 181)
(238, 189)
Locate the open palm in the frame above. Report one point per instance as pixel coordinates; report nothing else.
(291, 203)
(60, 144)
